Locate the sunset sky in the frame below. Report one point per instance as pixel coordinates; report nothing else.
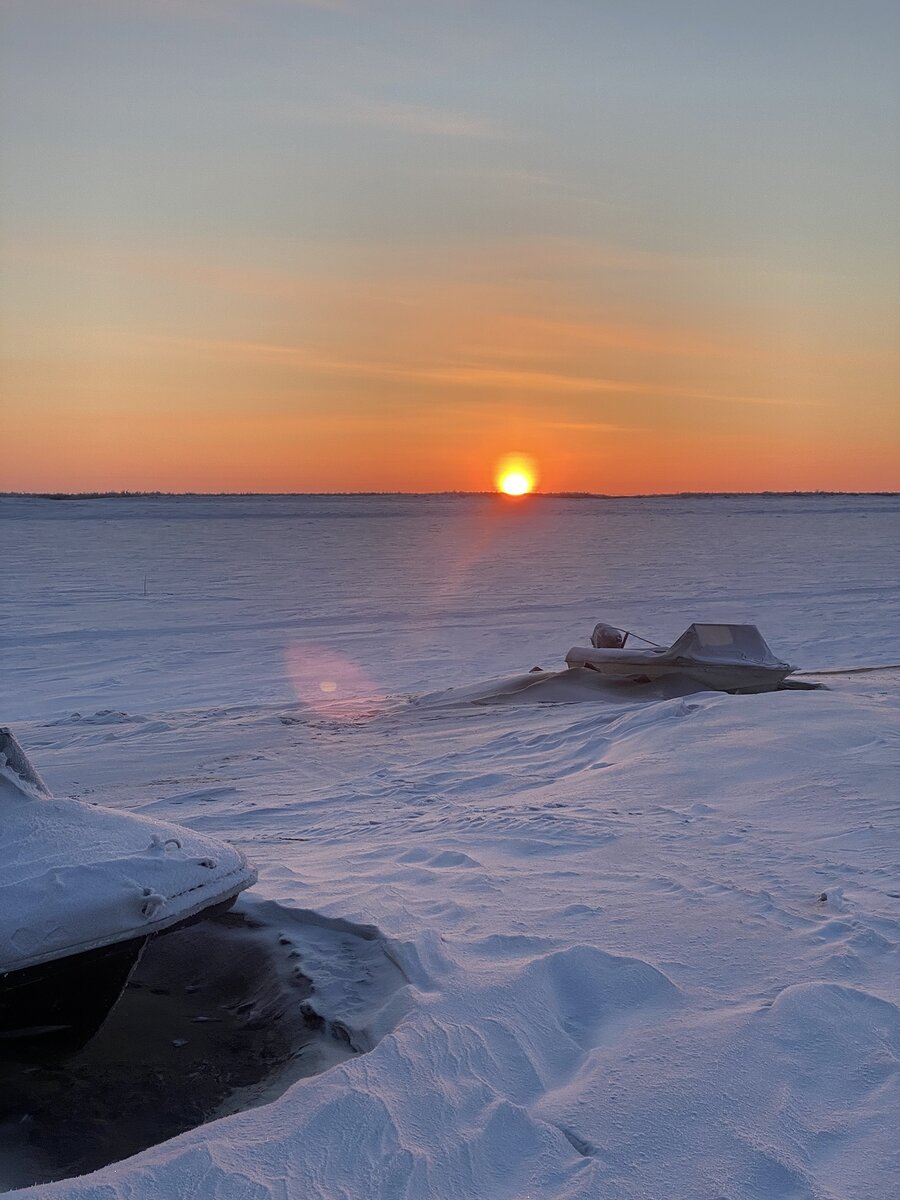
(267, 245)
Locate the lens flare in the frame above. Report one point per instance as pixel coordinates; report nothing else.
(515, 475)
(332, 683)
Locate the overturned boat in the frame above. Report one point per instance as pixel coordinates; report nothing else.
(82, 890)
(725, 658)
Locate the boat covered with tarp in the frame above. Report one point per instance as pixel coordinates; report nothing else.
(727, 658)
(82, 890)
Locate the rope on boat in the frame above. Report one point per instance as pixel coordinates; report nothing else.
(850, 670)
(629, 634)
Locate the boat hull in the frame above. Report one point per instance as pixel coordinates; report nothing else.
(54, 1008)
(646, 667)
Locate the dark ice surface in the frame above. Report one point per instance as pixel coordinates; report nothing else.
(213, 1020)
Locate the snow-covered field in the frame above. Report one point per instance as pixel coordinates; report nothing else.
(649, 944)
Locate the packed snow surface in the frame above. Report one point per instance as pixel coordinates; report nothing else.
(648, 935)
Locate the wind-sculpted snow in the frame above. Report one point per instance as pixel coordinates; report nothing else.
(630, 944)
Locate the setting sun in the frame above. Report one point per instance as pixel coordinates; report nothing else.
(515, 484)
(515, 475)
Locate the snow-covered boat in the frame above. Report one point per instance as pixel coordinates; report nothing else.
(82, 889)
(726, 658)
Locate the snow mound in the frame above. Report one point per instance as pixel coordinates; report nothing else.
(586, 993)
(831, 1027)
(570, 686)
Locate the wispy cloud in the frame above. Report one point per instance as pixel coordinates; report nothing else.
(205, 10)
(381, 114)
(467, 377)
(589, 426)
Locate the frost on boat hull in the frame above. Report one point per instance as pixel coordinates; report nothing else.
(726, 658)
(82, 890)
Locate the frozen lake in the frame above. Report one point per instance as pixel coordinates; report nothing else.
(649, 946)
(414, 593)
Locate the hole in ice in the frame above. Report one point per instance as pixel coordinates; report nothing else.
(215, 1019)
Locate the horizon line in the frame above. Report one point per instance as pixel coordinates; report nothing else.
(126, 494)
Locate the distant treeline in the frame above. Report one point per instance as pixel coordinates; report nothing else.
(129, 495)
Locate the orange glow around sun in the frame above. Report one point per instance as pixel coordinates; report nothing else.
(515, 475)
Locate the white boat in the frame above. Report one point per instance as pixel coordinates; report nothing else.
(725, 658)
(82, 889)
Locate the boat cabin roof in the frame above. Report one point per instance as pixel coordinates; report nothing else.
(729, 643)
